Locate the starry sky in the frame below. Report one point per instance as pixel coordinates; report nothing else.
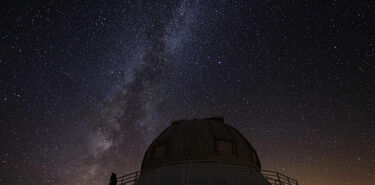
(86, 85)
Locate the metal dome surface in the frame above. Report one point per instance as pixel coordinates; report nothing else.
(200, 139)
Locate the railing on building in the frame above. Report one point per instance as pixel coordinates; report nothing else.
(128, 179)
(274, 178)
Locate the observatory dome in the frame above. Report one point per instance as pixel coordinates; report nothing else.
(200, 139)
(201, 152)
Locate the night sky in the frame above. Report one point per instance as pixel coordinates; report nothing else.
(86, 86)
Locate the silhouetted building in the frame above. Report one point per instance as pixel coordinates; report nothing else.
(202, 151)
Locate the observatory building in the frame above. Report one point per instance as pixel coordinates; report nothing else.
(201, 152)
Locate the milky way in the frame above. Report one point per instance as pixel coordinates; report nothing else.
(86, 86)
(131, 109)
